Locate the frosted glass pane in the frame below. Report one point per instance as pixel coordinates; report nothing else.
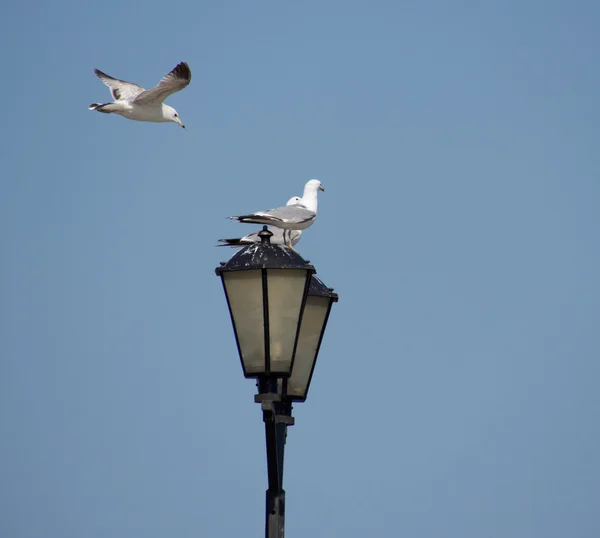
(310, 332)
(286, 289)
(245, 294)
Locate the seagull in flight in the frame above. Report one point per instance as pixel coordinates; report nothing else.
(135, 103)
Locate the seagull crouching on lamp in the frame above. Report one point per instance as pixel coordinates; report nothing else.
(135, 103)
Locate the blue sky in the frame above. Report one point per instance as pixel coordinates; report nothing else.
(456, 391)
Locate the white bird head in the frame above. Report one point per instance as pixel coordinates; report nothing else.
(294, 200)
(309, 198)
(170, 114)
(313, 185)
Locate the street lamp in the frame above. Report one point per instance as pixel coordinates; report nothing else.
(279, 311)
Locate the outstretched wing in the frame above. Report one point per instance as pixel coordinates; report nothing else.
(120, 90)
(176, 80)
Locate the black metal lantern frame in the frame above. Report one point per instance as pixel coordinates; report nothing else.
(266, 287)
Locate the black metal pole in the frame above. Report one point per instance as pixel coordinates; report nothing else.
(277, 417)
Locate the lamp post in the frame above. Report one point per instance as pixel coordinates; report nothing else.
(279, 311)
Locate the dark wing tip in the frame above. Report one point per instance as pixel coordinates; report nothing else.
(243, 218)
(229, 242)
(182, 71)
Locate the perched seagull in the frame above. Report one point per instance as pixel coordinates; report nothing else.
(135, 103)
(292, 217)
(280, 237)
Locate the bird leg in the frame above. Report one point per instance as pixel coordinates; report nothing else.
(287, 238)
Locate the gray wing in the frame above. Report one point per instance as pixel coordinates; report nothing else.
(120, 90)
(293, 214)
(290, 214)
(176, 80)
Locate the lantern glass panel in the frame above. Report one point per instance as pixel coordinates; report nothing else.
(286, 289)
(313, 321)
(245, 296)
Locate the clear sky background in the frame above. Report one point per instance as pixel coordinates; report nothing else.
(456, 393)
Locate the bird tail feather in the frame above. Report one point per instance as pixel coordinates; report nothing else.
(254, 219)
(107, 108)
(237, 242)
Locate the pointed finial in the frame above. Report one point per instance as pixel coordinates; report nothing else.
(265, 236)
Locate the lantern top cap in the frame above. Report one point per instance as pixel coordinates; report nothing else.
(264, 255)
(318, 289)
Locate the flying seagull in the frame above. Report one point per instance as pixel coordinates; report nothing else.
(292, 217)
(135, 103)
(280, 237)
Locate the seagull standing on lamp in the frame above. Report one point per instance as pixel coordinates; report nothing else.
(297, 216)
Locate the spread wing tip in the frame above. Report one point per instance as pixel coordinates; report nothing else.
(182, 71)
